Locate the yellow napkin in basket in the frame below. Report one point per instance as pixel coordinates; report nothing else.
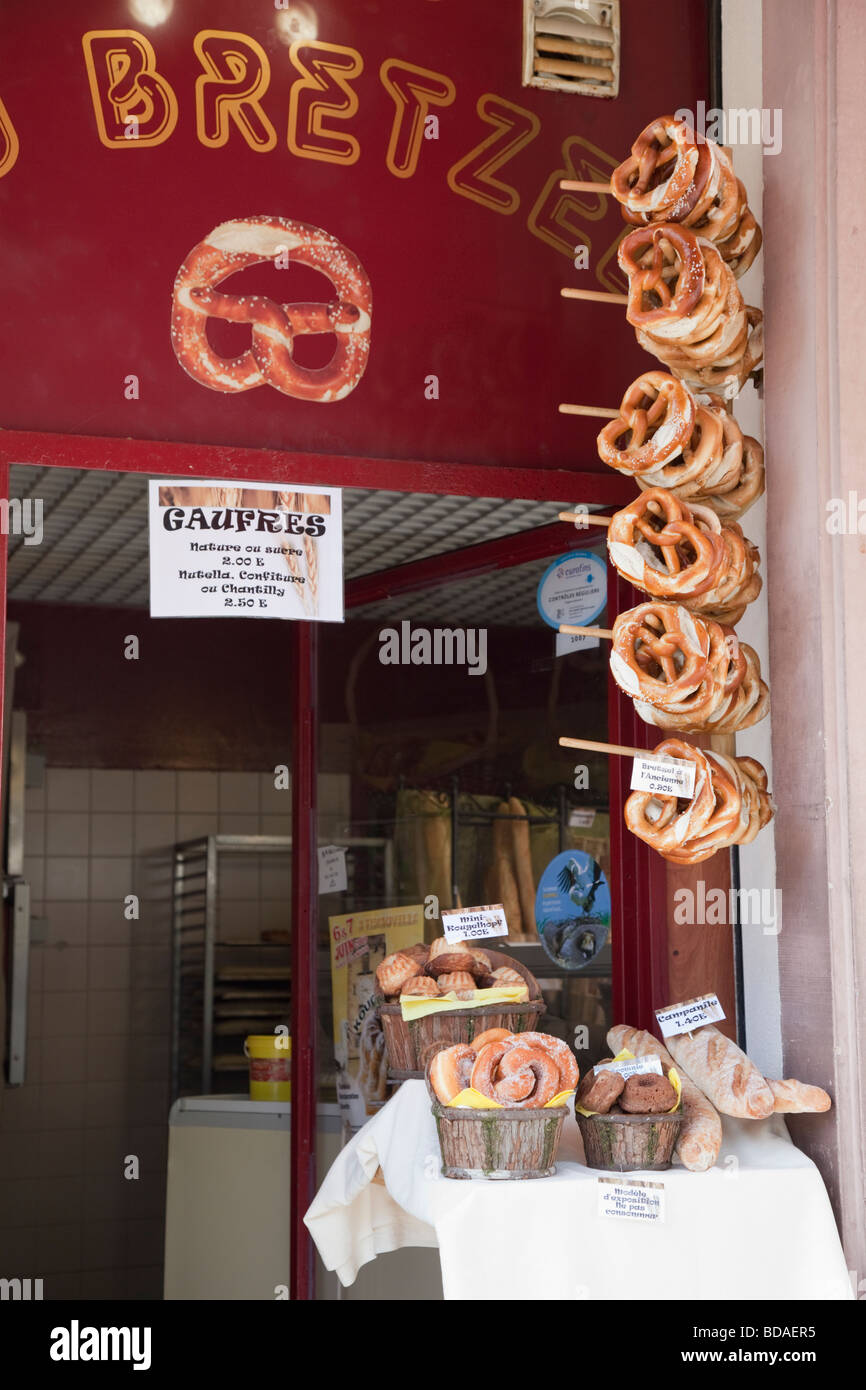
(470, 1099)
(418, 1008)
(673, 1078)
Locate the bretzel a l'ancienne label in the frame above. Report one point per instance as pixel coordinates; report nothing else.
(270, 358)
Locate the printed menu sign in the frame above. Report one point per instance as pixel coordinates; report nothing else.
(219, 551)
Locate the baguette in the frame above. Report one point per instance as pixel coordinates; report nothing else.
(506, 879)
(796, 1098)
(724, 1073)
(700, 1137)
(522, 856)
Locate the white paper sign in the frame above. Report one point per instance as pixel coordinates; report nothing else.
(574, 641)
(332, 869)
(682, 1018)
(583, 817)
(631, 1199)
(258, 550)
(639, 1066)
(472, 923)
(663, 776)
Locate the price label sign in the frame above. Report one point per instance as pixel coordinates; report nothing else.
(693, 1013)
(332, 869)
(663, 776)
(639, 1066)
(473, 923)
(631, 1199)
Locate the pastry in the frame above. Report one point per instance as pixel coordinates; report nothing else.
(395, 971)
(421, 987)
(450, 1071)
(700, 1136)
(599, 1090)
(647, 1094)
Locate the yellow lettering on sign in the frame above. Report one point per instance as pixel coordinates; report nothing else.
(323, 91)
(236, 74)
(472, 176)
(8, 141)
(557, 216)
(414, 90)
(133, 103)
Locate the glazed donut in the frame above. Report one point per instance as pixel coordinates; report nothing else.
(450, 1071)
(395, 971)
(569, 1072)
(248, 241)
(528, 1076)
(647, 1094)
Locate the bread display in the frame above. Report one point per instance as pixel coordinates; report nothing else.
(446, 967)
(700, 1138)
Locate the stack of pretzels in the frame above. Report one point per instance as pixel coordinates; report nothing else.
(672, 550)
(666, 437)
(687, 674)
(519, 1070)
(729, 806)
(672, 175)
(686, 309)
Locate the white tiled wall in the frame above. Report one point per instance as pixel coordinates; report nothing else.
(96, 1086)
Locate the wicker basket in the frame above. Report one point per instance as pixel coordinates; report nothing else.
(620, 1143)
(509, 1144)
(412, 1044)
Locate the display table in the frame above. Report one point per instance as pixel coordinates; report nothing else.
(757, 1226)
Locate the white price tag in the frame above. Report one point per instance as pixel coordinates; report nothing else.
(472, 923)
(582, 818)
(639, 1066)
(663, 776)
(693, 1013)
(574, 642)
(332, 869)
(631, 1199)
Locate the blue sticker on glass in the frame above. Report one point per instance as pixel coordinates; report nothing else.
(573, 589)
(572, 909)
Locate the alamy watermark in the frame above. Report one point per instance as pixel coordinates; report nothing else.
(438, 646)
(739, 125)
(715, 907)
(22, 518)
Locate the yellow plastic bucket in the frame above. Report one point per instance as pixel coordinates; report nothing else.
(270, 1058)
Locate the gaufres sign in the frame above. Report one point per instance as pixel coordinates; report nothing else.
(334, 228)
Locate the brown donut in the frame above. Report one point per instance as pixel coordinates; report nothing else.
(648, 1094)
(598, 1091)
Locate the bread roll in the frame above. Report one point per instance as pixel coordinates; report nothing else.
(701, 1131)
(724, 1073)
(796, 1098)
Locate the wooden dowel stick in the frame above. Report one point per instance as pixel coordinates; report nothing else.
(588, 518)
(605, 747)
(583, 186)
(586, 631)
(601, 412)
(602, 296)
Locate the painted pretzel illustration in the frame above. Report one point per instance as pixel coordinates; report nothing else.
(270, 359)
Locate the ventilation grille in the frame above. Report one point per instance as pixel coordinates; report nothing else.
(571, 47)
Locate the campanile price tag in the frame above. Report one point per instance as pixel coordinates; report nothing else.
(663, 776)
(473, 923)
(693, 1013)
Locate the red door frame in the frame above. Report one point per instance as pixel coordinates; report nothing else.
(638, 887)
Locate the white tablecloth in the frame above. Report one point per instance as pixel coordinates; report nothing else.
(757, 1226)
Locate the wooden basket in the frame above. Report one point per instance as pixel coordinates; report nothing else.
(412, 1044)
(621, 1143)
(510, 1143)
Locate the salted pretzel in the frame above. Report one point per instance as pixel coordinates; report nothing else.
(673, 175)
(681, 551)
(270, 359)
(665, 436)
(686, 309)
(730, 805)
